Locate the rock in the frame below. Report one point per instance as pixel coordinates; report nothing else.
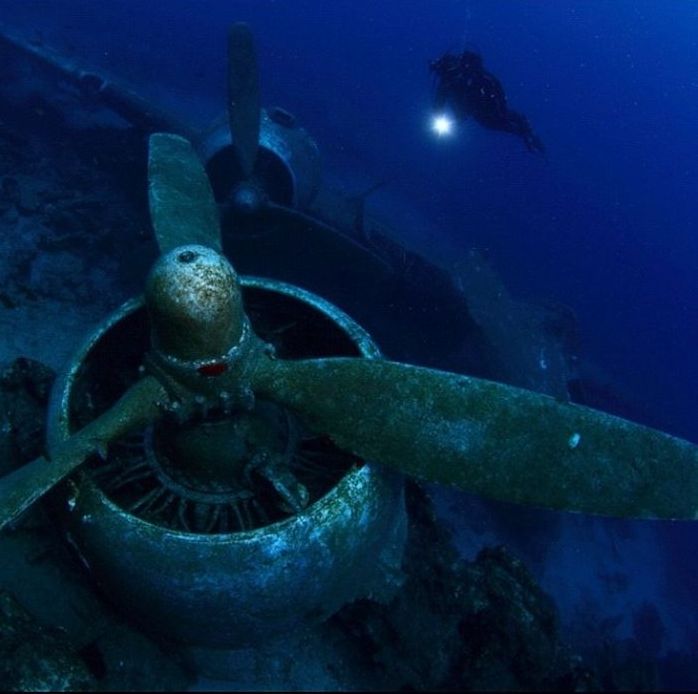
(132, 662)
(38, 566)
(10, 216)
(483, 625)
(507, 627)
(24, 391)
(10, 190)
(35, 657)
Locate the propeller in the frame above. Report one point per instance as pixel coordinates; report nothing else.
(492, 439)
(243, 187)
(244, 109)
(182, 207)
(484, 437)
(244, 123)
(139, 405)
(248, 196)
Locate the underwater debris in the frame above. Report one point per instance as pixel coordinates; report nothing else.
(24, 391)
(35, 657)
(455, 625)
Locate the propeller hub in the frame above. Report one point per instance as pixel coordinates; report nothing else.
(247, 198)
(195, 306)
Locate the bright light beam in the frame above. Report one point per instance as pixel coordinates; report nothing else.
(442, 125)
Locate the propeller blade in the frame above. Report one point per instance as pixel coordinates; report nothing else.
(484, 437)
(182, 207)
(243, 96)
(136, 408)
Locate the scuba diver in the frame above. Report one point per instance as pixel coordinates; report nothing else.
(465, 86)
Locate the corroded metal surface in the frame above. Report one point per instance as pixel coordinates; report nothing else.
(495, 440)
(194, 304)
(288, 153)
(138, 406)
(182, 208)
(234, 589)
(300, 154)
(241, 588)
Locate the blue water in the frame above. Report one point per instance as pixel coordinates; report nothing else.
(606, 223)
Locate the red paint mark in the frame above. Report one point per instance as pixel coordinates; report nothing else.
(213, 369)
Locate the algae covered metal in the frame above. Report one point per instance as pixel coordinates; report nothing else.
(230, 438)
(251, 582)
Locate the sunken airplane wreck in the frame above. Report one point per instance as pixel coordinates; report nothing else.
(231, 448)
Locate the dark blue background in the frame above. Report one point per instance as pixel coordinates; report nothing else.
(606, 224)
